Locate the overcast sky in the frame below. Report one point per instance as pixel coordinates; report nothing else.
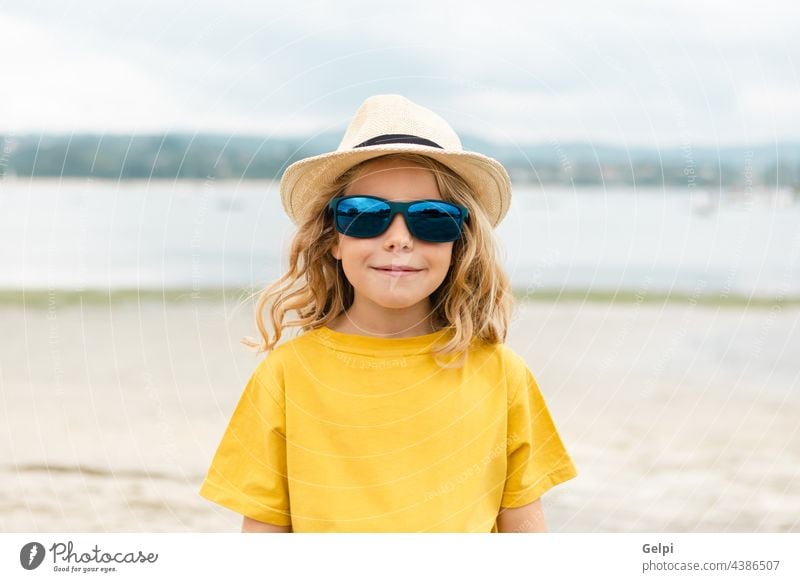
(618, 72)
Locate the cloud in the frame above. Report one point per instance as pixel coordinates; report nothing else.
(57, 85)
(624, 72)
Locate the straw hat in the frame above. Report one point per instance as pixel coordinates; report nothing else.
(389, 124)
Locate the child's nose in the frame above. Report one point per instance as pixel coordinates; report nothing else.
(397, 234)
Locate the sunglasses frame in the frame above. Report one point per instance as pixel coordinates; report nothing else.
(399, 208)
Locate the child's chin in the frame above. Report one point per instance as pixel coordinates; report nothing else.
(397, 302)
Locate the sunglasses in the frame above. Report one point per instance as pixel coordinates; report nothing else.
(364, 216)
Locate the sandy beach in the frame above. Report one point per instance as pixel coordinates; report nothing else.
(680, 417)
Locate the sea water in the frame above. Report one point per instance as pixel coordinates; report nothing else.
(82, 234)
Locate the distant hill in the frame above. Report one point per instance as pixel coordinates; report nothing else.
(177, 156)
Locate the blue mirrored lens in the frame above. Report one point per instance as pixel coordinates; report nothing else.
(435, 221)
(362, 217)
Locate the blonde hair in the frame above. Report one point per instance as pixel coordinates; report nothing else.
(474, 299)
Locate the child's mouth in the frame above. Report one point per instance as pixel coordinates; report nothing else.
(397, 271)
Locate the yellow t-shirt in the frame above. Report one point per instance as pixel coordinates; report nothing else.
(338, 432)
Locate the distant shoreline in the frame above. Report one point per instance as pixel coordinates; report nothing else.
(44, 298)
(202, 156)
(43, 180)
(516, 182)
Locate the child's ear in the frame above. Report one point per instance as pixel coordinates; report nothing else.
(335, 252)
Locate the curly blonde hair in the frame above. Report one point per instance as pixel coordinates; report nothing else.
(474, 300)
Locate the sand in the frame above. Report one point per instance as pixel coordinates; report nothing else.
(680, 417)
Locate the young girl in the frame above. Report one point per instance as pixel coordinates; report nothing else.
(399, 408)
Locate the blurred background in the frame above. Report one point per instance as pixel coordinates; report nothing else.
(653, 240)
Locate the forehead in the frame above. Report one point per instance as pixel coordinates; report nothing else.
(395, 180)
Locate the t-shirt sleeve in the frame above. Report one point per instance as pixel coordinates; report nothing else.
(248, 472)
(537, 459)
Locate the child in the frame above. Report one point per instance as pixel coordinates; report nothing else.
(399, 409)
